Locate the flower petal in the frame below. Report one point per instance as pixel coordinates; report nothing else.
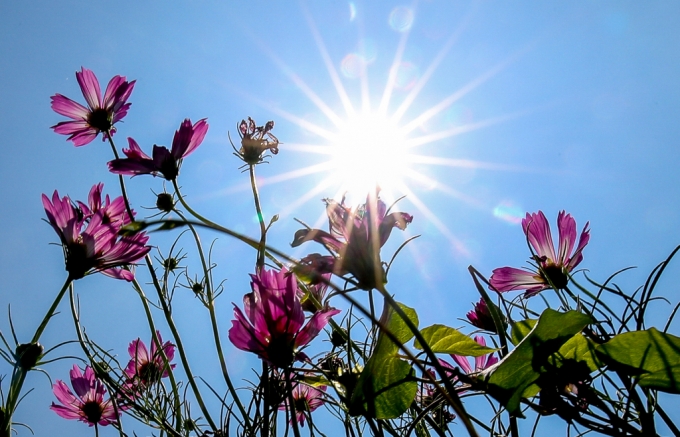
(537, 229)
(89, 85)
(64, 106)
(509, 279)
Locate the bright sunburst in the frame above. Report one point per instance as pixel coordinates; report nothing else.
(369, 150)
(367, 147)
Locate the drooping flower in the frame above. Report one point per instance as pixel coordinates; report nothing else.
(306, 399)
(551, 269)
(101, 114)
(89, 406)
(164, 162)
(255, 140)
(272, 324)
(355, 239)
(481, 363)
(90, 240)
(147, 368)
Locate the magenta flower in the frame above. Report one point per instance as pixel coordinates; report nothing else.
(89, 406)
(101, 114)
(166, 162)
(90, 239)
(355, 239)
(481, 317)
(551, 269)
(114, 212)
(306, 399)
(147, 368)
(481, 363)
(272, 324)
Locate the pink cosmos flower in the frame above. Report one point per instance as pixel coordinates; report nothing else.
(144, 368)
(101, 114)
(551, 268)
(89, 406)
(114, 212)
(355, 239)
(166, 162)
(90, 239)
(481, 363)
(306, 399)
(272, 324)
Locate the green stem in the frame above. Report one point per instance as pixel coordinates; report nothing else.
(159, 348)
(291, 403)
(213, 321)
(450, 393)
(19, 373)
(51, 311)
(166, 310)
(190, 210)
(260, 219)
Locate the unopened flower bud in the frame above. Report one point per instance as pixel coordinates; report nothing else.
(338, 339)
(165, 202)
(170, 264)
(28, 354)
(197, 288)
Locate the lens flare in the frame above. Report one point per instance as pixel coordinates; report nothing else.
(509, 212)
(401, 18)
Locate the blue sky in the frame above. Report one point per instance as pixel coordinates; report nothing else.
(559, 106)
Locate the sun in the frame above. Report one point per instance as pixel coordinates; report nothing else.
(368, 150)
(367, 142)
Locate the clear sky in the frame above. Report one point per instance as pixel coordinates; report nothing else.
(509, 107)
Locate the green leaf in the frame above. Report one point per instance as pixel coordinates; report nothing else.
(386, 387)
(385, 390)
(577, 348)
(510, 379)
(446, 340)
(396, 325)
(652, 356)
(521, 329)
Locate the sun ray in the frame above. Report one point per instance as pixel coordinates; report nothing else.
(309, 148)
(335, 78)
(470, 86)
(469, 163)
(309, 195)
(417, 176)
(433, 66)
(262, 181)
(392, 74)
(441, 227)
(430, 138)
(297, 81)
